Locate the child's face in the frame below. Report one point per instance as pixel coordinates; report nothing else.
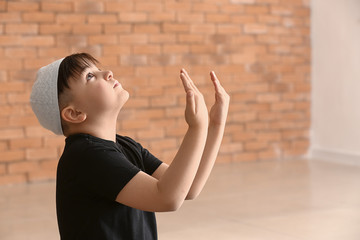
(97, 93)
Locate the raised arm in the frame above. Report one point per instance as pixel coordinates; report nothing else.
(218, 115)
(169, 191)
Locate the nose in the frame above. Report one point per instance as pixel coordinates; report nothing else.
(109, 75)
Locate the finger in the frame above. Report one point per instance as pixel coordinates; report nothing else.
(187, 86)
(190, 101)
(190, 81)
(216, 82)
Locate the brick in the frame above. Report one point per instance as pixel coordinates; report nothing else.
(132, 17)
(256, 9)
(52, 142)
(72, 18)
(36, 63)
(40, 153)
(12, 179)
(255, 29)
(167, 143)
(147, 49)
(56, 6)
(23, 6)
(281, 10)
(135, 124)
(229, 29)
(146, 28)
(55, 28)
(88, 7)
(21, 28)
(3, 5)
(175, 48)
(23, 121)
(178, 6)
(133, 38)
(303, 12)
(94, 50)
(175, 27)
(39, 17)
(117, 28)
(2, 169)
(20, 52)
(126, 6)
(207, 7)
(148, 6)
(22, 167)
(162, 17)
(133, 60)
(185, 17)
(12, 87)
(71, 40)
(25, 143)
(255, 146)
(205, 28)
(55, 52)
(191, 38)
(269, 19)
(12, 155)
(87, 29)
(10, 64)
(150, 134)
(10, 40)
(232, 9)
(10, 17)
(41, 175)
(243, 19)
(150, 114)
(110, 50)
(246, 156)
(268, 97)
(102, 18)
(217, 18)
(243, 1)
(49, 165)
(227, 148)
(38, 41)
(37, 131)
(163, 101)
(102, 39)
(268, 39)
(162, 38)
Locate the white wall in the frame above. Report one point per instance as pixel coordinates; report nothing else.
(335, 133)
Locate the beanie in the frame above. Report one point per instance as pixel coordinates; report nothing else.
(44, 97)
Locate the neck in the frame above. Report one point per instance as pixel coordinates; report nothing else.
(104, 129)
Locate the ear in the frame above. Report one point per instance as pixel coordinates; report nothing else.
(71, 115)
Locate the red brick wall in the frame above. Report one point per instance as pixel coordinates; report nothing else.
(259, 48)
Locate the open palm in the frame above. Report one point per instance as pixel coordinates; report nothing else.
(219, 110)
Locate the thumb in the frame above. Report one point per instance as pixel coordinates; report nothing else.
(190, 101)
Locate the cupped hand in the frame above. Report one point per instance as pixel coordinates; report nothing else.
(219, 111)
(196, 114)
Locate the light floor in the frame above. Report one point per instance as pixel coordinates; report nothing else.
(280, 200)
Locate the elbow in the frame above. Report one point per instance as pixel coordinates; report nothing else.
(172, 205)
(191, 196)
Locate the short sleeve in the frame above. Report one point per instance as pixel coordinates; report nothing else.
(106, 171)
(149, 161)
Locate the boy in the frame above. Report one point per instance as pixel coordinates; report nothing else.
(109, 186)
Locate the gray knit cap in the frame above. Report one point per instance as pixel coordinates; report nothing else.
(44, 97)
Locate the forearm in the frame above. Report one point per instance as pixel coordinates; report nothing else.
(176, 181)
(212, 146)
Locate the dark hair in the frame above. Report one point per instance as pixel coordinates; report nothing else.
(71, 67)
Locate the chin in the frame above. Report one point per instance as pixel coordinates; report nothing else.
(124, 97)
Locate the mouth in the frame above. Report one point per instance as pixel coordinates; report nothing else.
(116, 84)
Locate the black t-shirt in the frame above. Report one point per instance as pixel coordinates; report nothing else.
(91, 172)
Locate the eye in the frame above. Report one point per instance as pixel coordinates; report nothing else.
(89, 76)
